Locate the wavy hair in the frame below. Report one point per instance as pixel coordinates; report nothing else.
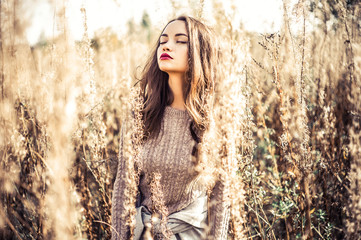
(201, 76)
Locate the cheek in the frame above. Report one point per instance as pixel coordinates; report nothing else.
(186, 57)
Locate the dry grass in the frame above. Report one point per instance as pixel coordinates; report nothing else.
(287, 116)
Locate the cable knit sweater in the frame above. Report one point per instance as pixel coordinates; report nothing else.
(170, 156)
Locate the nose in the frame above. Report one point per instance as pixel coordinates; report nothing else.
(166, 47)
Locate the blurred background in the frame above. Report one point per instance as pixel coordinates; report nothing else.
(117, 15)
(290, 102)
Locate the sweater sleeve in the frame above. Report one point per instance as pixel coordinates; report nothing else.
(120, 230)
(218, 212)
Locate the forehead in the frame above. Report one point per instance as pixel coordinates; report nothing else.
(175, 27)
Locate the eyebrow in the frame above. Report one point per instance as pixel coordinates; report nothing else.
(178, 34)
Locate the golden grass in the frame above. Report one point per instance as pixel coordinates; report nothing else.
(287, 119)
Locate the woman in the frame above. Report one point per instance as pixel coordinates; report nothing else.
(177, 85)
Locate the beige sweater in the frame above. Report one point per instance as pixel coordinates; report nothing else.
(169, 155)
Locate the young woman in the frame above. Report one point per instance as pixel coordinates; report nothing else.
(176, 85)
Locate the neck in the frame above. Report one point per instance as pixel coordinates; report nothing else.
(175, 82)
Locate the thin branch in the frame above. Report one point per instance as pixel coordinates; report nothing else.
(2, 213)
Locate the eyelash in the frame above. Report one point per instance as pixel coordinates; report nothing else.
(177, 42)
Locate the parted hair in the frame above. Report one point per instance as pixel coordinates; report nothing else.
(201, 76)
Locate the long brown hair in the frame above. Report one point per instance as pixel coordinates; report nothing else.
(203, 59)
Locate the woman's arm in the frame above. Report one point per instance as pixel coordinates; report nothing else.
(219, 212)
(120, 230)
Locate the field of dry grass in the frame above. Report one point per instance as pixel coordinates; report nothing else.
(288, 110)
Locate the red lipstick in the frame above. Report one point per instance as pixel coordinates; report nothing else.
(165, 56)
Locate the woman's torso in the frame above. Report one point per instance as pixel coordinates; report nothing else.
(169, 156)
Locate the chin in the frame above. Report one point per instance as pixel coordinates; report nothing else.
(165, 69)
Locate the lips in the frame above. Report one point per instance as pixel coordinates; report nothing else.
(165, 56)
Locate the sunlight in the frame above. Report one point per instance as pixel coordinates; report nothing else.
(257, 16)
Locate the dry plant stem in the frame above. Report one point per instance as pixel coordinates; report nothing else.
(350, 57)
(20, 219)
(287, 231)
(308, 230)
(159, 206)
(271, 150)
(285, 12)
(319, 234)
(3, 215)
(283, 109)
(263, 219)
(105, 223)
(133, 161)
(283, 113)
(275, 169)
(256, 212)
(42, 159)
(2, 77)
(303, 52)
(201, 9)
(101, 185)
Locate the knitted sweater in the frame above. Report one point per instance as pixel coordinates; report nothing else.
(170, 156)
